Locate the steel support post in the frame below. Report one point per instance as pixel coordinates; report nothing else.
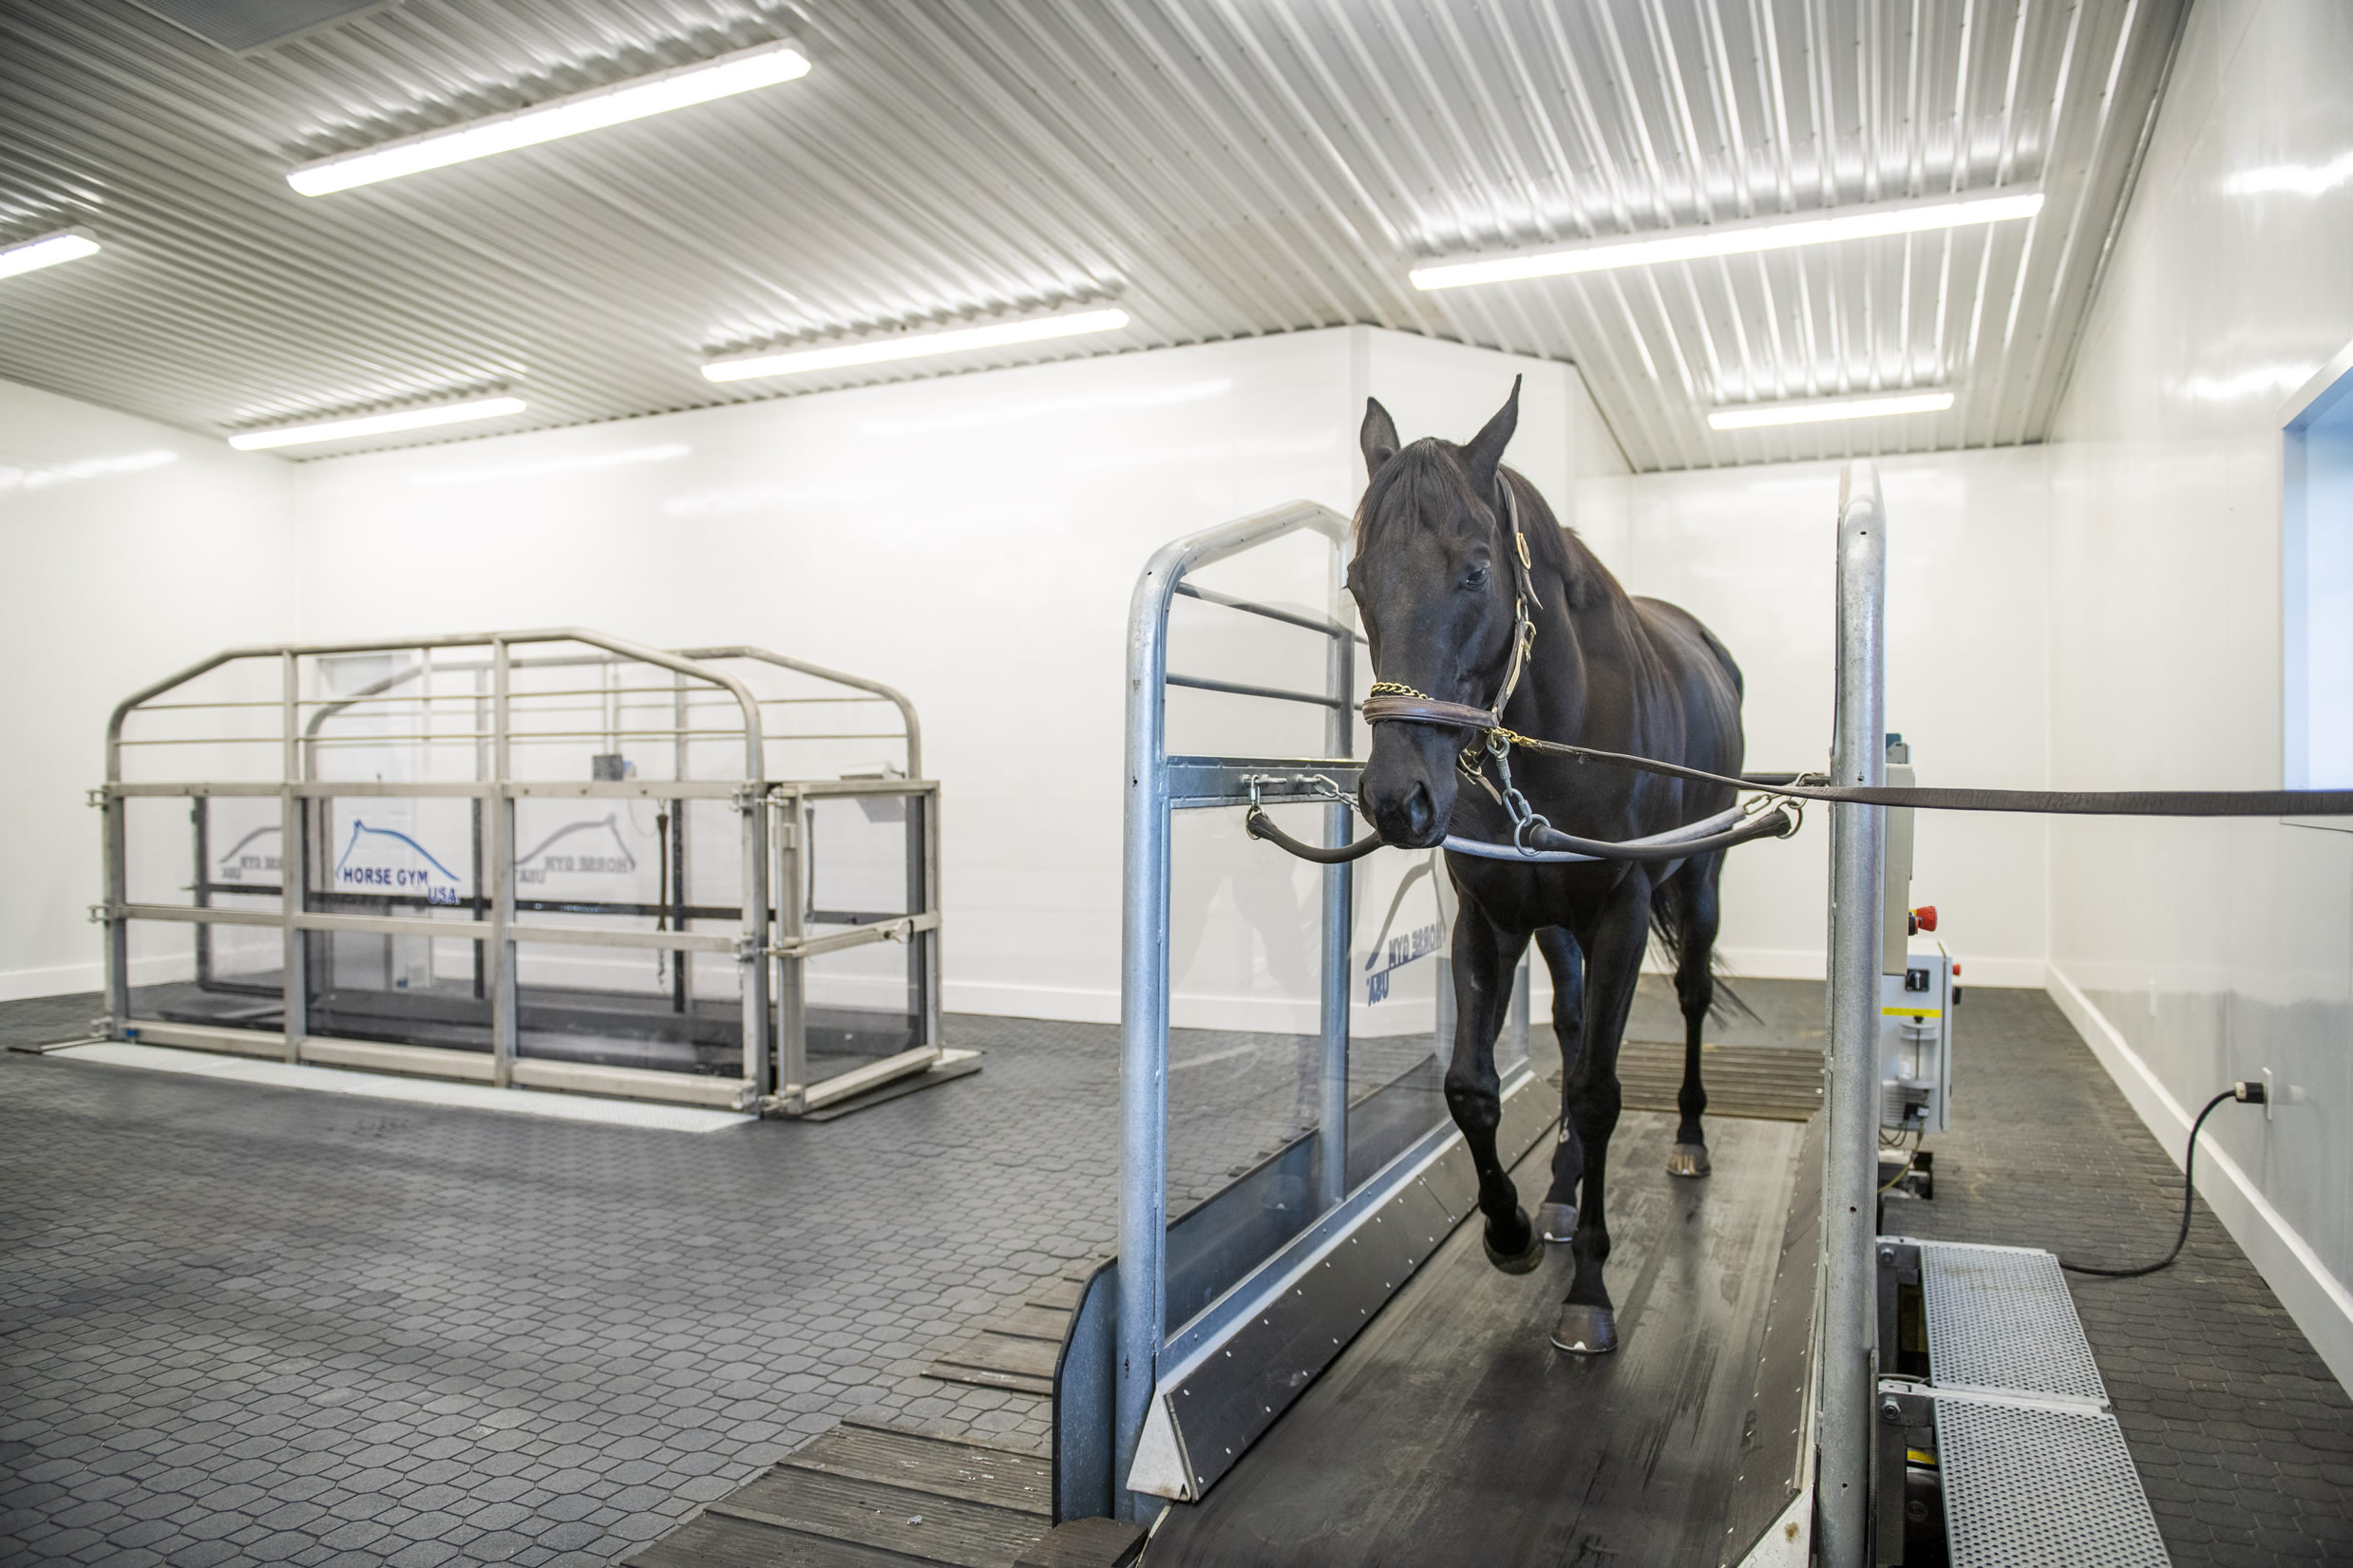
(505, 1013)
(1850, 1169)
(294, 874)
(790, 829)
(1338, 908)
(928, 802)
(1143, 1036)
(114, 844)
(752, 960)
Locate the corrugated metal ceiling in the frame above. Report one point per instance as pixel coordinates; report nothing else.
(1219, 167)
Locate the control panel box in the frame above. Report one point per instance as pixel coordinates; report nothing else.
(1916, 1043)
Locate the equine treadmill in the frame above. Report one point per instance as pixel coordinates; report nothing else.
(1451, 1430)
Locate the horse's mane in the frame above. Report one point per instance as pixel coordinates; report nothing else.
(1431, 469)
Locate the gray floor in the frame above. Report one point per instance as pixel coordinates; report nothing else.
(2244, 1441)
(249, 1325)
(242, 1324)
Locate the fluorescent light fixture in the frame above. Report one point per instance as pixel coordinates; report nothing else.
(1818, 411)
(1739, 238)
(658, 94)
(915, 345)
(377, 425)
(48, 250)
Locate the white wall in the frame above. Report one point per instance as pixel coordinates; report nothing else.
(972, 540)
(131, 549)
(1752, 553)
(2193, 953)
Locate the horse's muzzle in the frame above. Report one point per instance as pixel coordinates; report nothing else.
(1409, 786)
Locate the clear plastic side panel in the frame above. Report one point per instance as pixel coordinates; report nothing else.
(623, 1006)
(1401, 1004)
(860, 1007)
(408, 857)
(639, 864)
(225, 977)
(1246, 1051)
(200, 851)
(863, 863)
(237, 851)
(1253, 1154)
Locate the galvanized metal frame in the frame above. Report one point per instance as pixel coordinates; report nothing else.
(1839, 1408)
(770, 969)
(1145, 1354)
(1844, 1361)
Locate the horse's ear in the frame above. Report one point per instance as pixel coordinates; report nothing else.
(1379, 437)
(1486, 452)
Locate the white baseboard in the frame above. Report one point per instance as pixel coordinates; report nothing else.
(2316, 1299)
(18, 985)
(1060, 1004)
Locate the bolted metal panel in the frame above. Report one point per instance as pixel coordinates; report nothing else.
(2026, 1486)
(2000, 1317)
(1221, 169)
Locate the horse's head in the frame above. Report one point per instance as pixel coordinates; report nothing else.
(1436, 584)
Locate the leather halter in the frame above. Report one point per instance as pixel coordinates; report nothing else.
(1393, 703)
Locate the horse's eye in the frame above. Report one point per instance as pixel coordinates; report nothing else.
(1476, 576)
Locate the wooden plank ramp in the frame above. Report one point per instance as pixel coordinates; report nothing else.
(1018, 1348)
(870, 1495)
(1769, 1083)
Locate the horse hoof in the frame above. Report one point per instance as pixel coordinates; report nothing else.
(1557, 1222)
(1525, 1261)
(1688, 1159)
(1585, 1331)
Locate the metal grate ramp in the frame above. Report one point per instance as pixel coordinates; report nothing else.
(2033, 1467)
(2028, 1487)
(2000, 1317)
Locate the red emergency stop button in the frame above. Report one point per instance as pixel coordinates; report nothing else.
(1925, 918)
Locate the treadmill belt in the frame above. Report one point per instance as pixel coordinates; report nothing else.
(1452, 1431)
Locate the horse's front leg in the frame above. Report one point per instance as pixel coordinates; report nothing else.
(1557, 1216)
(1588, 1323)
(1484, 961)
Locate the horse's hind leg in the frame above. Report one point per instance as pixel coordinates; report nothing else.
(1484, 962)
(1557, 1216)
(1698, 918)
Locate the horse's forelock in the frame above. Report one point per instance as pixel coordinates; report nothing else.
(1429, 470)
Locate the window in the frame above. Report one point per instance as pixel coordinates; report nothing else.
(2317, 598)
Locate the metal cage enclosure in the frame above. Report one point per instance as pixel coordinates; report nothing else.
(551, 859)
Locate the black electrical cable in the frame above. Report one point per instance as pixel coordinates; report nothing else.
(2250, 1094)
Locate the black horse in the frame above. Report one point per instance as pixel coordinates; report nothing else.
(1445, 591)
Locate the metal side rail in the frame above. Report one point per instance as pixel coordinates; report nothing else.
(1990, 1400)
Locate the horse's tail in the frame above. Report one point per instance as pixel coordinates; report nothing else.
(1668, 908)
